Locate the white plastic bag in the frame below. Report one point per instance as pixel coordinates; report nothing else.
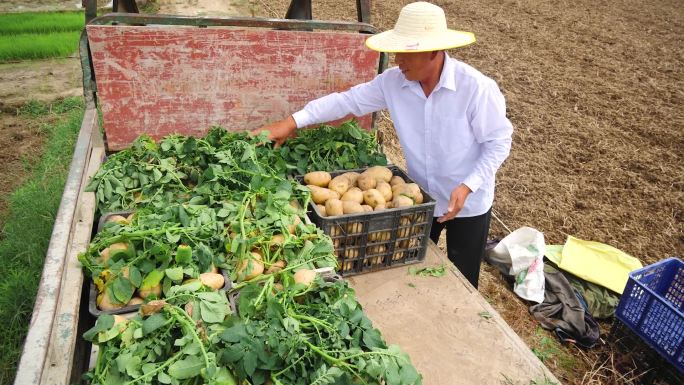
(523, 250)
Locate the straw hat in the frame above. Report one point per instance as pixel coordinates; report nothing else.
(421, 27)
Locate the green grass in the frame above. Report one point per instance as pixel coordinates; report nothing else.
(28, 227)
(41, 22)
(38, 46)
(548, 350)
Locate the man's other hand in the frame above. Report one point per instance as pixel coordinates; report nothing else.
(278, 131)
(456, 202)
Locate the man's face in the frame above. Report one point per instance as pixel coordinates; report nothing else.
(415, 66)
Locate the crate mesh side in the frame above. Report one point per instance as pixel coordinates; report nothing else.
(662, 326)
(656, 315)
(633, 301)
(675, 290)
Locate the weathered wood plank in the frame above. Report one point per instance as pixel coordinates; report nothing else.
(450, 331)
(161, 81)
(57, 370)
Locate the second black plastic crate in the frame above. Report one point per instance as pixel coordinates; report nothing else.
(378, 240)
(95, 311)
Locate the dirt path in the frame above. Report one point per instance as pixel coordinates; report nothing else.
(43, 80)
(38, 5)
(205, 7)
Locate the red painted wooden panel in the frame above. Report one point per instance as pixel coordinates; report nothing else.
(163, 80)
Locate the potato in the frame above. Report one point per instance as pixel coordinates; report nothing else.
(403, 232)
(347, 266)
(305, 276)
(336, 230)
(292, 227)
(402, 201)
(135, 301)
(276, 267)
(251, 267)
(350, 253)
(349, 207)
(411, 190)
(385, 189)
(375, 249)
(145, 292)
(373, 197)
(334, 207)
(104, 302)
(295, 205)
(354, 228)
(277, 240)
(417, 195)
(317, 178)
(398, 255)
(405, 220)
(373, 261)
(354, 194)
(321, 210)
(396, 180)
(104, 256)
(212, 280)
(321, 194)
(367, 208)
(119, 250)
(381, 207)
(379, 172)
(339, 184)
(117, 219)
(152, 307)
(379, 236)
(352, 176)
(366, 182)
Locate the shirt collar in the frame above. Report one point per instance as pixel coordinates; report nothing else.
(446, 78)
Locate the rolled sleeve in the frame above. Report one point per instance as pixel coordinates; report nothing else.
(303, 118)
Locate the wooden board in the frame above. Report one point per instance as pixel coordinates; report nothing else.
(60, 358)
(159, 80)
(450, 331)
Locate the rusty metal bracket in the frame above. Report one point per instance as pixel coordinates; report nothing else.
(299, 9)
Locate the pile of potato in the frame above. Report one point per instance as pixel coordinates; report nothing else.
(374, 189)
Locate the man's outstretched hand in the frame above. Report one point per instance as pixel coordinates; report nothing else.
(278, 131)
(456, 202)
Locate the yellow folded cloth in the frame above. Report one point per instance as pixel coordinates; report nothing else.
(595, 262)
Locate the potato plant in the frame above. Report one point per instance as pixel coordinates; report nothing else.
(224, 201)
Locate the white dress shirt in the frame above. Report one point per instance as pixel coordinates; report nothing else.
(457, 134)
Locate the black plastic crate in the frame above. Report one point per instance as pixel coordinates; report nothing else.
(92, 290)
(92, 299)
(634, 355)
(378, 240)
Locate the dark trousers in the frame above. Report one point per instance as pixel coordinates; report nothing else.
(466, 239)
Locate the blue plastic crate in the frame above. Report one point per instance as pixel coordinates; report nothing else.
(652, 306)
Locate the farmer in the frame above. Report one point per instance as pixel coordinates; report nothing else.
(450, 119)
